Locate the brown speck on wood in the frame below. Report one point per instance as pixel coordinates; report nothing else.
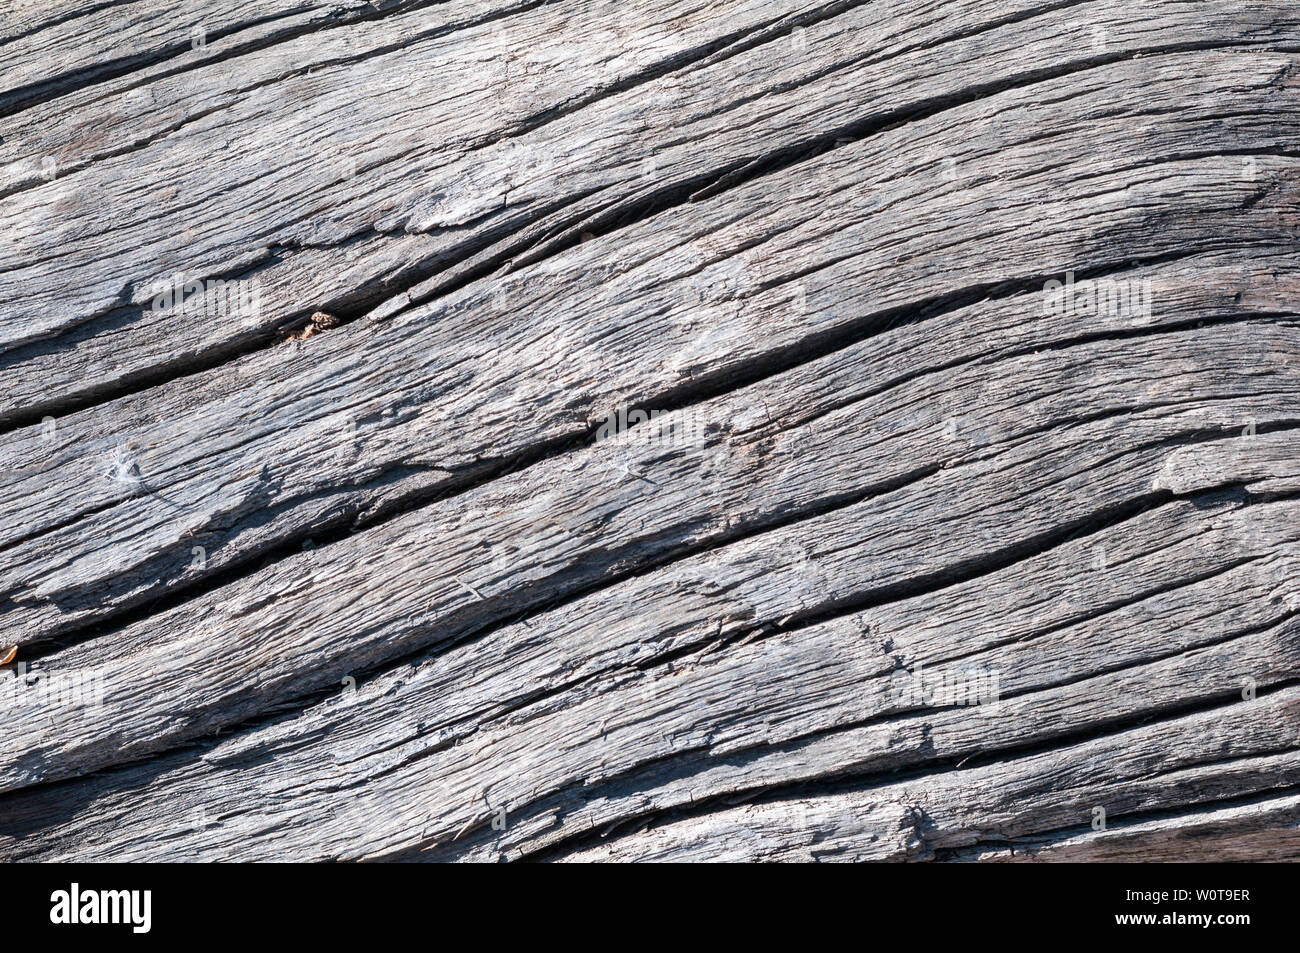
(318, 322)
(8, 655)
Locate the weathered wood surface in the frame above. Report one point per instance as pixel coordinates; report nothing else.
(378, 585)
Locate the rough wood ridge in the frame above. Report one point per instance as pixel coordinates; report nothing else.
(671, 430)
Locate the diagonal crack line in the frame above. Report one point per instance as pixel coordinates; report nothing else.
(160, 135)
(766, 629)
(776, 29)
(1044, 740)
(27, 97)
(747, 169)
(650, 73)
(931, 45)
(70, 169)
(345, 308)
(696, 391)
(77, 14)
(506, 254)
(997, 562)
(757, 749)
(488, 715)
(701, 388)
(19, 99)
(760, 527)
(992, 359)
(1096, 523)
(1109, 608)
(676, 62)
(277, 714)
(1031, 842)
(969, 569)
(686, 763)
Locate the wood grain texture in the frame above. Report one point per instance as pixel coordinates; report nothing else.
(894, 556)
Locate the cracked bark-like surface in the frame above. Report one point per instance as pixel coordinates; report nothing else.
(360, 573)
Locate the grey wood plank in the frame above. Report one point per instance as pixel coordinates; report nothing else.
(1053, 467)
(263, 450)
(1247, 833)
(339, 794)
(505, 156)
(894, 822)
(1252, 592)
(912, 563)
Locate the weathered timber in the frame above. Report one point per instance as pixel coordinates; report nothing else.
(913, 562)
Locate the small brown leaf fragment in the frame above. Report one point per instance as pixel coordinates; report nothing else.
(8, 655)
